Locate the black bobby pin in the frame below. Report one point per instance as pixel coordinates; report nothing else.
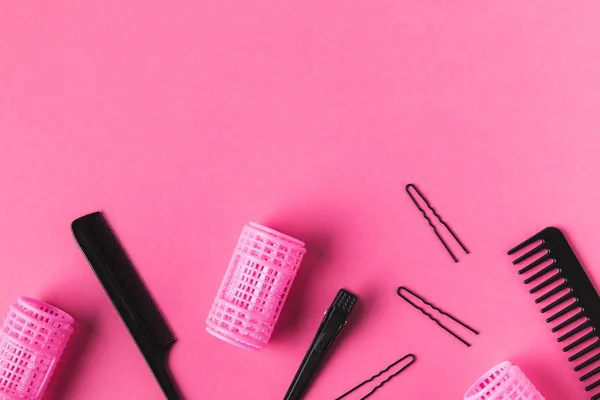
(383, 371)
(399, 291)
(438, 216)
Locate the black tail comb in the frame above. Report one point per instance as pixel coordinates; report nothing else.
(128, 294)
(554, 263)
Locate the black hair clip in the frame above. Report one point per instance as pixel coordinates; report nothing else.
(334, 320)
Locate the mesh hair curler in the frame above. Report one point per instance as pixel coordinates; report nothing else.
(255, 286)
(32, 341)
(503, 382)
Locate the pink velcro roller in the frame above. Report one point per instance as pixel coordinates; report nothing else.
(255, 286)
(32, 341)
(503, 382)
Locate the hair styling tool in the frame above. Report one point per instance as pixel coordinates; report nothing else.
(255, 286)
(503, 382)
(334, 320)
(32, 341)
(404, 288)
(128, 294)
(574, 293)
(410, 357)
(438, 216)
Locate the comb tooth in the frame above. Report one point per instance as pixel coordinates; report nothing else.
(552, 292)
(534, 264)
(526, 243)
(564, 311)
(596, 397)
(588, 362)
(593, 386)
(574, 331)
(557, 302)
(583, 352)
(546, 283)
(579, 341)
(540, 273)
(531, 252)
(568, 322)
(590, 374)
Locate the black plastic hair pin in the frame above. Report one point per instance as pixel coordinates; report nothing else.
(403, 288)
(411, 361)
(559, 275)
(334, 320)
(438, 216)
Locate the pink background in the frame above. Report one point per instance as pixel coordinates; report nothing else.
(182, 120)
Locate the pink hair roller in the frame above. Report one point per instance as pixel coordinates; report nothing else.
(503, 382)
(32, 341)
(255, 286)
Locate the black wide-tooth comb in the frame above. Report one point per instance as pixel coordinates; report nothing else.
(128, 294)
(570, 277)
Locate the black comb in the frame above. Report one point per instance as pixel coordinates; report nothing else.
(560, 266)
(128, 294)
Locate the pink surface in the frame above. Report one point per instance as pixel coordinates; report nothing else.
(182, 120)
